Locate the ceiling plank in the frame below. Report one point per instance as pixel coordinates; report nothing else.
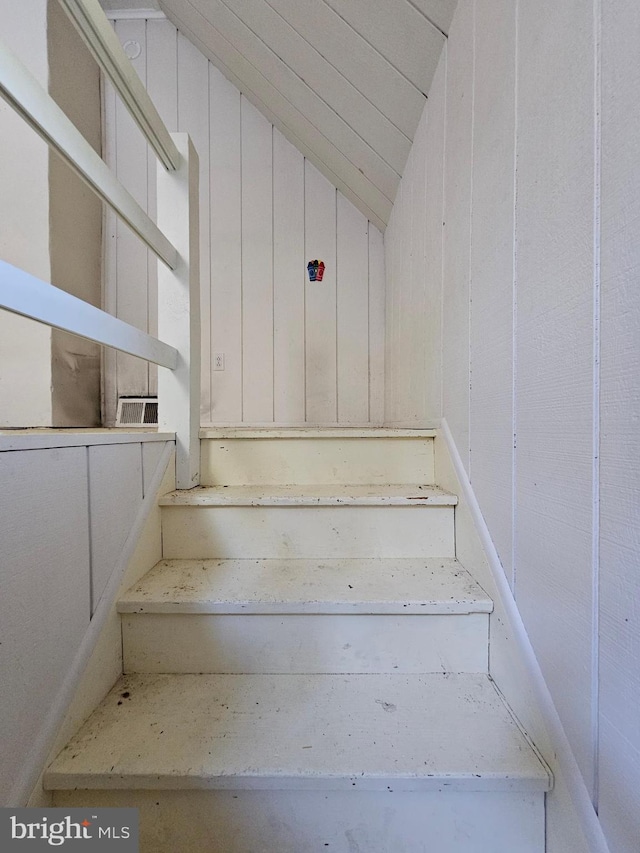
(329, 84)
(348, 178)
(250, 58)
(353, 56)
(399, 32)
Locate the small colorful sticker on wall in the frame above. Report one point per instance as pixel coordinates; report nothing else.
(315, 270)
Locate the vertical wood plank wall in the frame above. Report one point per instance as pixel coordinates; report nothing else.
(295, 352)
(554, 356)
(65, 515)
(619, 546)
(531, 265)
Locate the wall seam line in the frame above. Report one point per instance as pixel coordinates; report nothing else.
(597, 180)
(273, 284)
(470, 272)
(110, 269)
(368, 321)
(337, 377)
(304, 281)
(514, 309)
(241, 269)
(116, 228)
(141, 446)
(210, 319)
(89, 536)
(443, 221)
(148, 161)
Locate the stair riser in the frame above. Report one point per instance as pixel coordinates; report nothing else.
(351, 822)
(310, 461)
(295, 532)
(189, 643)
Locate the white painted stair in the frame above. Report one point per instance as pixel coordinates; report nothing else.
(306, 616)
(308, 669)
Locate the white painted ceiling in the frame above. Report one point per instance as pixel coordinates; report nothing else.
(344, 80)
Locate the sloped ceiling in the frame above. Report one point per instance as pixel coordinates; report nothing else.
(344, 80)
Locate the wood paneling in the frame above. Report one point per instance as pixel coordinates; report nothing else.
(115, 477)
(151, 454)
(405, 241)
(192, 74)
(265, 211)
(554, 352)
(435, 143)
(289, 276)
(353, 56)
(333, 146)
(376, 325)
(537, 384)
(619, 439)
(65, 514)
(225, 242)
(45, 601)
(439, 12)
(257, 266)
(413, 242)
(320, 303)
(492, 274)
(306, 61)
(399, 32)
(457, 227)
(295, 90)
(352, 313)
(343, 80)
(416, 338)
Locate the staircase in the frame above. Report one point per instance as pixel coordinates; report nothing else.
(307, 668)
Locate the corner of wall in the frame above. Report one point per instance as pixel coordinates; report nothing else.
(572, 824)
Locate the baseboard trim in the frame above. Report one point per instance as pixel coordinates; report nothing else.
(565, 758)
(44, 741)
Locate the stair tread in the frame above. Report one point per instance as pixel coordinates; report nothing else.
(309, 432)
(314, 495)
(402, 586)
(402, 732)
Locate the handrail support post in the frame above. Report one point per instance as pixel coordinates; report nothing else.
(179, 311)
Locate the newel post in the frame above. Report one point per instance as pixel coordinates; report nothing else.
(179, 311)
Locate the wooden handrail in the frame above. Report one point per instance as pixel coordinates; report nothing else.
(177, 198)
(24, 294)
(90, 21)
(23, 92)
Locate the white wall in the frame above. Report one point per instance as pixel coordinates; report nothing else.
(67, 514)
(25, 346)
(619, 410)
(294, 351)
(540, 343)
(413, 250)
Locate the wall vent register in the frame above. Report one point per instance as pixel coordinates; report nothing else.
(137, 412)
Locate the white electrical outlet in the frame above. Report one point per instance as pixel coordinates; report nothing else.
(218, 361)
